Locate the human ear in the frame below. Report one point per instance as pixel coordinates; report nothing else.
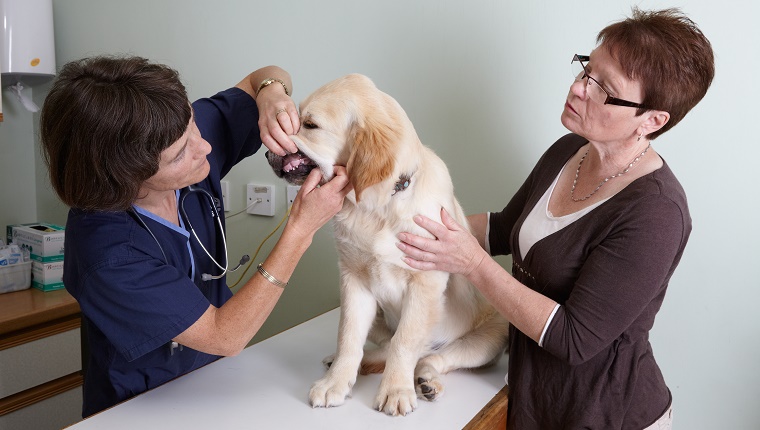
(655, 120)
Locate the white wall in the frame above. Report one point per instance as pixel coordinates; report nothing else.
(484, 81)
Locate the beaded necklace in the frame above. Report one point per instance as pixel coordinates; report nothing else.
(578, 171)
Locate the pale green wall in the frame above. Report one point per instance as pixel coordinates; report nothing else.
(484, 82)
(17, 163)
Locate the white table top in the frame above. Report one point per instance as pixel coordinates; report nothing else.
(267, 386)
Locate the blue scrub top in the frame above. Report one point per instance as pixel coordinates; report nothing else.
(134, 301)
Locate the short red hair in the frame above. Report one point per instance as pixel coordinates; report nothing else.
(668, 54)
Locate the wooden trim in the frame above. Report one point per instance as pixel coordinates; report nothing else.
(39, 393)
(30, 334)
(493, 415)
(20, 310)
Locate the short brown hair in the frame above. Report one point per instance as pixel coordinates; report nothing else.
(103, 127)
(668, 54)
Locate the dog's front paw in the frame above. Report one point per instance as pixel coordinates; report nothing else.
(326, 393)
(396, 400)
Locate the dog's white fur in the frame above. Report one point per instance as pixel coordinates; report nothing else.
(425, 323)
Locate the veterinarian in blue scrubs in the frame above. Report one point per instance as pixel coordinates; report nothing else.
(595, 233)
(140, 168)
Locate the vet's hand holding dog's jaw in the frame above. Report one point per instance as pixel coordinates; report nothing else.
(315, 205)
(454, 249)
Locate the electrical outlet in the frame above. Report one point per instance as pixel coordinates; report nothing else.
(292, 191)
(226, 195)
(260, 199)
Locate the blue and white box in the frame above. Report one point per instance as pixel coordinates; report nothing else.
(47, 276)
(44, 241)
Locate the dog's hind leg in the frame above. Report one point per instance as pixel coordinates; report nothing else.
(480, 347)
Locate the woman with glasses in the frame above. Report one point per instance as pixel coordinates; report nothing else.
(595, 233)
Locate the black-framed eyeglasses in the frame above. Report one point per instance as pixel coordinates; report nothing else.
(593, 88)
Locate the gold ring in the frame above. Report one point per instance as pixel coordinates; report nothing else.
(279, 112)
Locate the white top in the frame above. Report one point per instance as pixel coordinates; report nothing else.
(541, 223)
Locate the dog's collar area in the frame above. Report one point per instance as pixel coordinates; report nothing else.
(402, 184)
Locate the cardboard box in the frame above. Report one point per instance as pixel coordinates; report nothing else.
(44, 241)
(47, 276)
(9, 231)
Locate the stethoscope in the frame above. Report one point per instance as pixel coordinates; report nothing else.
(214, 207)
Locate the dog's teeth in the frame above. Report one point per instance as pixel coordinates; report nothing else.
(292, 164)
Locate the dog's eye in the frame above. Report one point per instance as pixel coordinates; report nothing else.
(309, 124)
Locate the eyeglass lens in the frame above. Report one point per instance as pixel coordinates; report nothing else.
(593, 90)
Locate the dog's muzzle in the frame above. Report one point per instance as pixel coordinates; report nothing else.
(294, 168)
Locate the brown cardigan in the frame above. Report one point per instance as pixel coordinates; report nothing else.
(609, 271)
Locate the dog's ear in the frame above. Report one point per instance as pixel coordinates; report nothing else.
(372, 154)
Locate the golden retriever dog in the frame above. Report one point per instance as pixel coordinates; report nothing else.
(424, 323)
